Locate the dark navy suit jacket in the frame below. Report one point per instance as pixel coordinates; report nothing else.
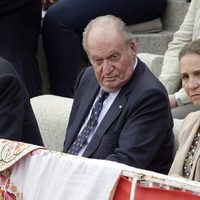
(137, 129)
(17, 120)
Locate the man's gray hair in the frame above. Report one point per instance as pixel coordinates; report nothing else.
(108, 21)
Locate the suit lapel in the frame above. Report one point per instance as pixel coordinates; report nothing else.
(110, 116)
(83, 107)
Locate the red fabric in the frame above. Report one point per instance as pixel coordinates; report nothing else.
(123, 189)
(146, 193)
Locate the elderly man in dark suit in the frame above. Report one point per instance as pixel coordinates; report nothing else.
(134, 124)
(17, 121)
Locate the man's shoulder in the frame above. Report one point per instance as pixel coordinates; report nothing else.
(87, 74)
(87, 71)
(148, 80)
(86, 80)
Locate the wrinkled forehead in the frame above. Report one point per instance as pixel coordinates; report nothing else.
(100, 36)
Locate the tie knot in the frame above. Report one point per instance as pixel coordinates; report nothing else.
(103, 95)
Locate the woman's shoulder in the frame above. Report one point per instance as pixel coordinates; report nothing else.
(193, 115)
(191, 119)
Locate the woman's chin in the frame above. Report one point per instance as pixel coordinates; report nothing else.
(196, 102)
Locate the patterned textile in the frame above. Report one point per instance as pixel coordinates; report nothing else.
(8, 190)
(44, 175)
(11, 152)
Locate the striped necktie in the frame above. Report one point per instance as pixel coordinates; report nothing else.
(90, 125)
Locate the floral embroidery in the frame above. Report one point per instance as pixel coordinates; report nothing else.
(12, 151)
(8, 191)
(46, 152)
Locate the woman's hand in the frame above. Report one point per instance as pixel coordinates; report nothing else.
(172, 100)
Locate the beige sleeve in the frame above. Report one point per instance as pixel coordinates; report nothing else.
(170, 74)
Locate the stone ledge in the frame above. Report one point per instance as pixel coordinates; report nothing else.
(155, 43)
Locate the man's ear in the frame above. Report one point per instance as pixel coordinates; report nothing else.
(133, 48)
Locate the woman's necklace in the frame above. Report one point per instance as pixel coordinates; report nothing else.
(188, 163)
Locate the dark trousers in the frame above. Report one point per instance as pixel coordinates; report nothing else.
(20, 23)
(63, 26)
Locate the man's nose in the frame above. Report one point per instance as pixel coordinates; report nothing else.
(107, 67)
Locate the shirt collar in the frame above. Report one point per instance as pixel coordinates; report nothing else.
(136, 61)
